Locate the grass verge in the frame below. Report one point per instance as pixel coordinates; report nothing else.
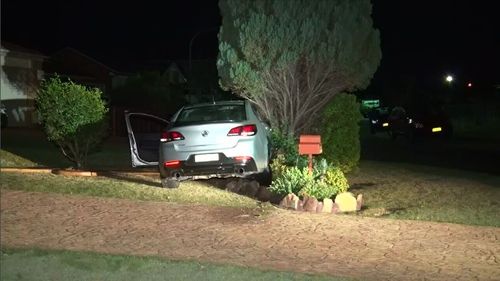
(53, 265)
(424, 193)
(135, 188)
(32, 146)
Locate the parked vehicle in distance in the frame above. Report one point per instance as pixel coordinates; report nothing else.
(219, 139)
(426, 121)
(378, 120)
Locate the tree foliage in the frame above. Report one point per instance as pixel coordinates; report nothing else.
(73, 116)
(150, 90)
(340, 132)
(290, 57)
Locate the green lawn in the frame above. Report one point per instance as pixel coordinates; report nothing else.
(32, 146)
(128, 187)
(427, 193)
(65, 265)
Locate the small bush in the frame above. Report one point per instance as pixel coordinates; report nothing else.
(292, 180)
(325, 181)
(73, 116)
(278, 166)
(335, 178)
(284, 145)
(340, 132)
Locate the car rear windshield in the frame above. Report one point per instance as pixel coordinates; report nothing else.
(211, 114)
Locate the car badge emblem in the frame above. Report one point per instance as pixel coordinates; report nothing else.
(204, 133)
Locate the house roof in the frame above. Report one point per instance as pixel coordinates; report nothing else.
(14, 48)
(81, 54)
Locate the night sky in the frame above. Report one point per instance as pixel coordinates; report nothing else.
(425, 39)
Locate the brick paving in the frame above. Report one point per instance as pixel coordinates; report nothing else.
(336, 245)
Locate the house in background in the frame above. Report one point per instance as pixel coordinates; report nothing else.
(83, 69)
(21, 74)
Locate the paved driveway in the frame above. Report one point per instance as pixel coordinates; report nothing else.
(365, 248)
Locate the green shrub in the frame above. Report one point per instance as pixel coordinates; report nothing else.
(340, 132)
(73, 116)
(317, 189)
(292, 180)
(285, 145)
(335, 178)
(278, 166)
(325, 181)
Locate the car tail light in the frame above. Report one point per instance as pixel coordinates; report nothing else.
(171, 136)
(172, 164)
(243, 159)
(246, 130)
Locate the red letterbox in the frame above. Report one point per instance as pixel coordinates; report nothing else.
(309, 145)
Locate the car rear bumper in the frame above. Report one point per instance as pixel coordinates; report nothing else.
(224, 167)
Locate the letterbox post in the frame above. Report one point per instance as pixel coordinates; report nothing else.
(309, 145)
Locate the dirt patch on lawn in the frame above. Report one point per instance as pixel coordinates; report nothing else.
(337, 245)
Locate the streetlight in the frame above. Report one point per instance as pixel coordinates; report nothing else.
(449, 78)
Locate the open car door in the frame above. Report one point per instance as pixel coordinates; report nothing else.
(144, 133)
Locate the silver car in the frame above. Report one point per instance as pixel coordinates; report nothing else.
(219, 139)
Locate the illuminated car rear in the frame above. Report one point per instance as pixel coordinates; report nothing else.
(220, 139)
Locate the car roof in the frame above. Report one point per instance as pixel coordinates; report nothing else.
(224, 102)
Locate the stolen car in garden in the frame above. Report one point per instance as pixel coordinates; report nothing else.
(218, 139)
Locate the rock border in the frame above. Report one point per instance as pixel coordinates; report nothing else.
(344, 203)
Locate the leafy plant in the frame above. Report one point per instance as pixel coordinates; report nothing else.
(73, 116)
(340, 132)
(335, 178)
(325, 181)
(284, 145)
(292, 180)
(278, 166)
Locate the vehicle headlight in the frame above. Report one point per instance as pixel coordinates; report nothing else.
(374, 121)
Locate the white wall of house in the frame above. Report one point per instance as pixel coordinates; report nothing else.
(20, 74)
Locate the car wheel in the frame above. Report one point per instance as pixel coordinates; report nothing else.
(265, 178)
(169, 183)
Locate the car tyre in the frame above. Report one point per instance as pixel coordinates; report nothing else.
(265, 178)
(169, 183)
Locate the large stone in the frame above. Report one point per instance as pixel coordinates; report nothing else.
(335, 209)
(346, 202)
(319, 208)
(249, 188)
(359, 202)
(264, 194)
(327, 205)
(310, 204)
(291, 201)
(233, 185)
